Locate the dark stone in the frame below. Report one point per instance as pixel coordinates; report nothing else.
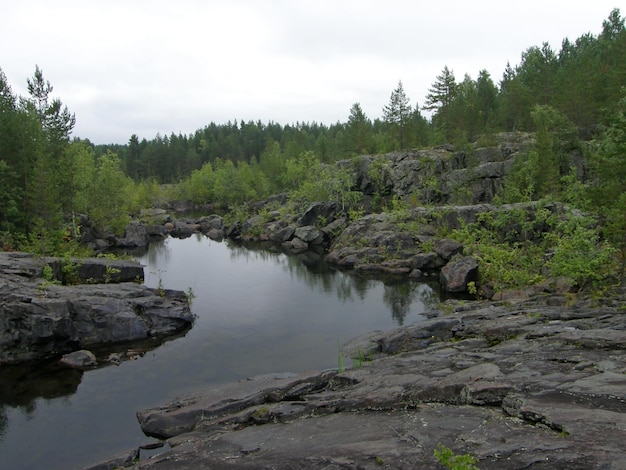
(458, 273)
(285, 234)
(308, 234)
(135, 235)
(210, 222)
(325, 211)
(447, 248)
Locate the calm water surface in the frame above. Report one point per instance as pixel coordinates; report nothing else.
(257, 312)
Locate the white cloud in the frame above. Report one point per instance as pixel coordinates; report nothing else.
(144, 67)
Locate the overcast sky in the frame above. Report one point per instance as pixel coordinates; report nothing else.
(145, 66)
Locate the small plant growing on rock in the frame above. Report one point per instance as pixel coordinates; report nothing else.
(47, 274)
(449, 459)
(341, 366)
(160, 289)
(69, 270)
(190, 295)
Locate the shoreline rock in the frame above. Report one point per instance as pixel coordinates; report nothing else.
(517, 386)
(42, 319)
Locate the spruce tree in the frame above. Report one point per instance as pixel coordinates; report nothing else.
(397, 115)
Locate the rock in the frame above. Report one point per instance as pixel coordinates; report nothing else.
(540, 397)
(211, 222)
(296, 245)
(79, 359)
(40, 319)
(215, 234)
(426, 261)
(156, 232)
(135, 235)
(99, 270)
(458, 273)
(122, 460)
(181, 206)
(285, 234)
(447, 248)
(308, 234)
(154, 216)
(183, 229)
(319, 211)
(334, 228)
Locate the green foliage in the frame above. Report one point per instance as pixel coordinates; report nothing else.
(539, 172)
(47, 273)
(578, 253)
(511, 247)
(341, 366)
(309, 180)
(49, 279)
(358, 138)
(110, 194)
(449, 459)
(69, 271)
(397, 115)
(190, 295)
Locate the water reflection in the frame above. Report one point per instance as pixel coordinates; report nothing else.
(399, 293)
(21, 385)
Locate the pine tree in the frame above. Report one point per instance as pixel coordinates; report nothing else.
(358, 131)
(397, 114)
(442, 92)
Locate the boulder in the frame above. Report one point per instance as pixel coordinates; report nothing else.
(296, 245)
(309, 234)
(458, 273)
(285, 234)
(154, 216)
(319, 211)
(79, 359)
(215, 234)
(210, 222)
(135, 235)
(447, 248)
(184, 229)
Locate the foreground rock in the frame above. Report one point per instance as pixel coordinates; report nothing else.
(526, 386)
(41, 319)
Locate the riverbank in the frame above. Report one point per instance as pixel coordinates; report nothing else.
(537, 382)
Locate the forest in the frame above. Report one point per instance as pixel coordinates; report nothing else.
(573, 97)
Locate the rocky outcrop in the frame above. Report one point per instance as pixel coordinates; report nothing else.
(39, 318)
(442, 175)
(523, 386)
(458, 273)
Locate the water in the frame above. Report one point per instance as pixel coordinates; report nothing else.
(257, 312)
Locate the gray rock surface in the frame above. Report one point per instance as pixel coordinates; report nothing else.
(519, 386)
(40, 319)
(135, 235)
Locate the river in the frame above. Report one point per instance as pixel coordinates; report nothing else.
(257, 312)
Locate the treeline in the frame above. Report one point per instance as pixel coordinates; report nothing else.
(45, 176)
(582, 81)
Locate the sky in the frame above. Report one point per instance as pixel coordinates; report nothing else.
(144, 67)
